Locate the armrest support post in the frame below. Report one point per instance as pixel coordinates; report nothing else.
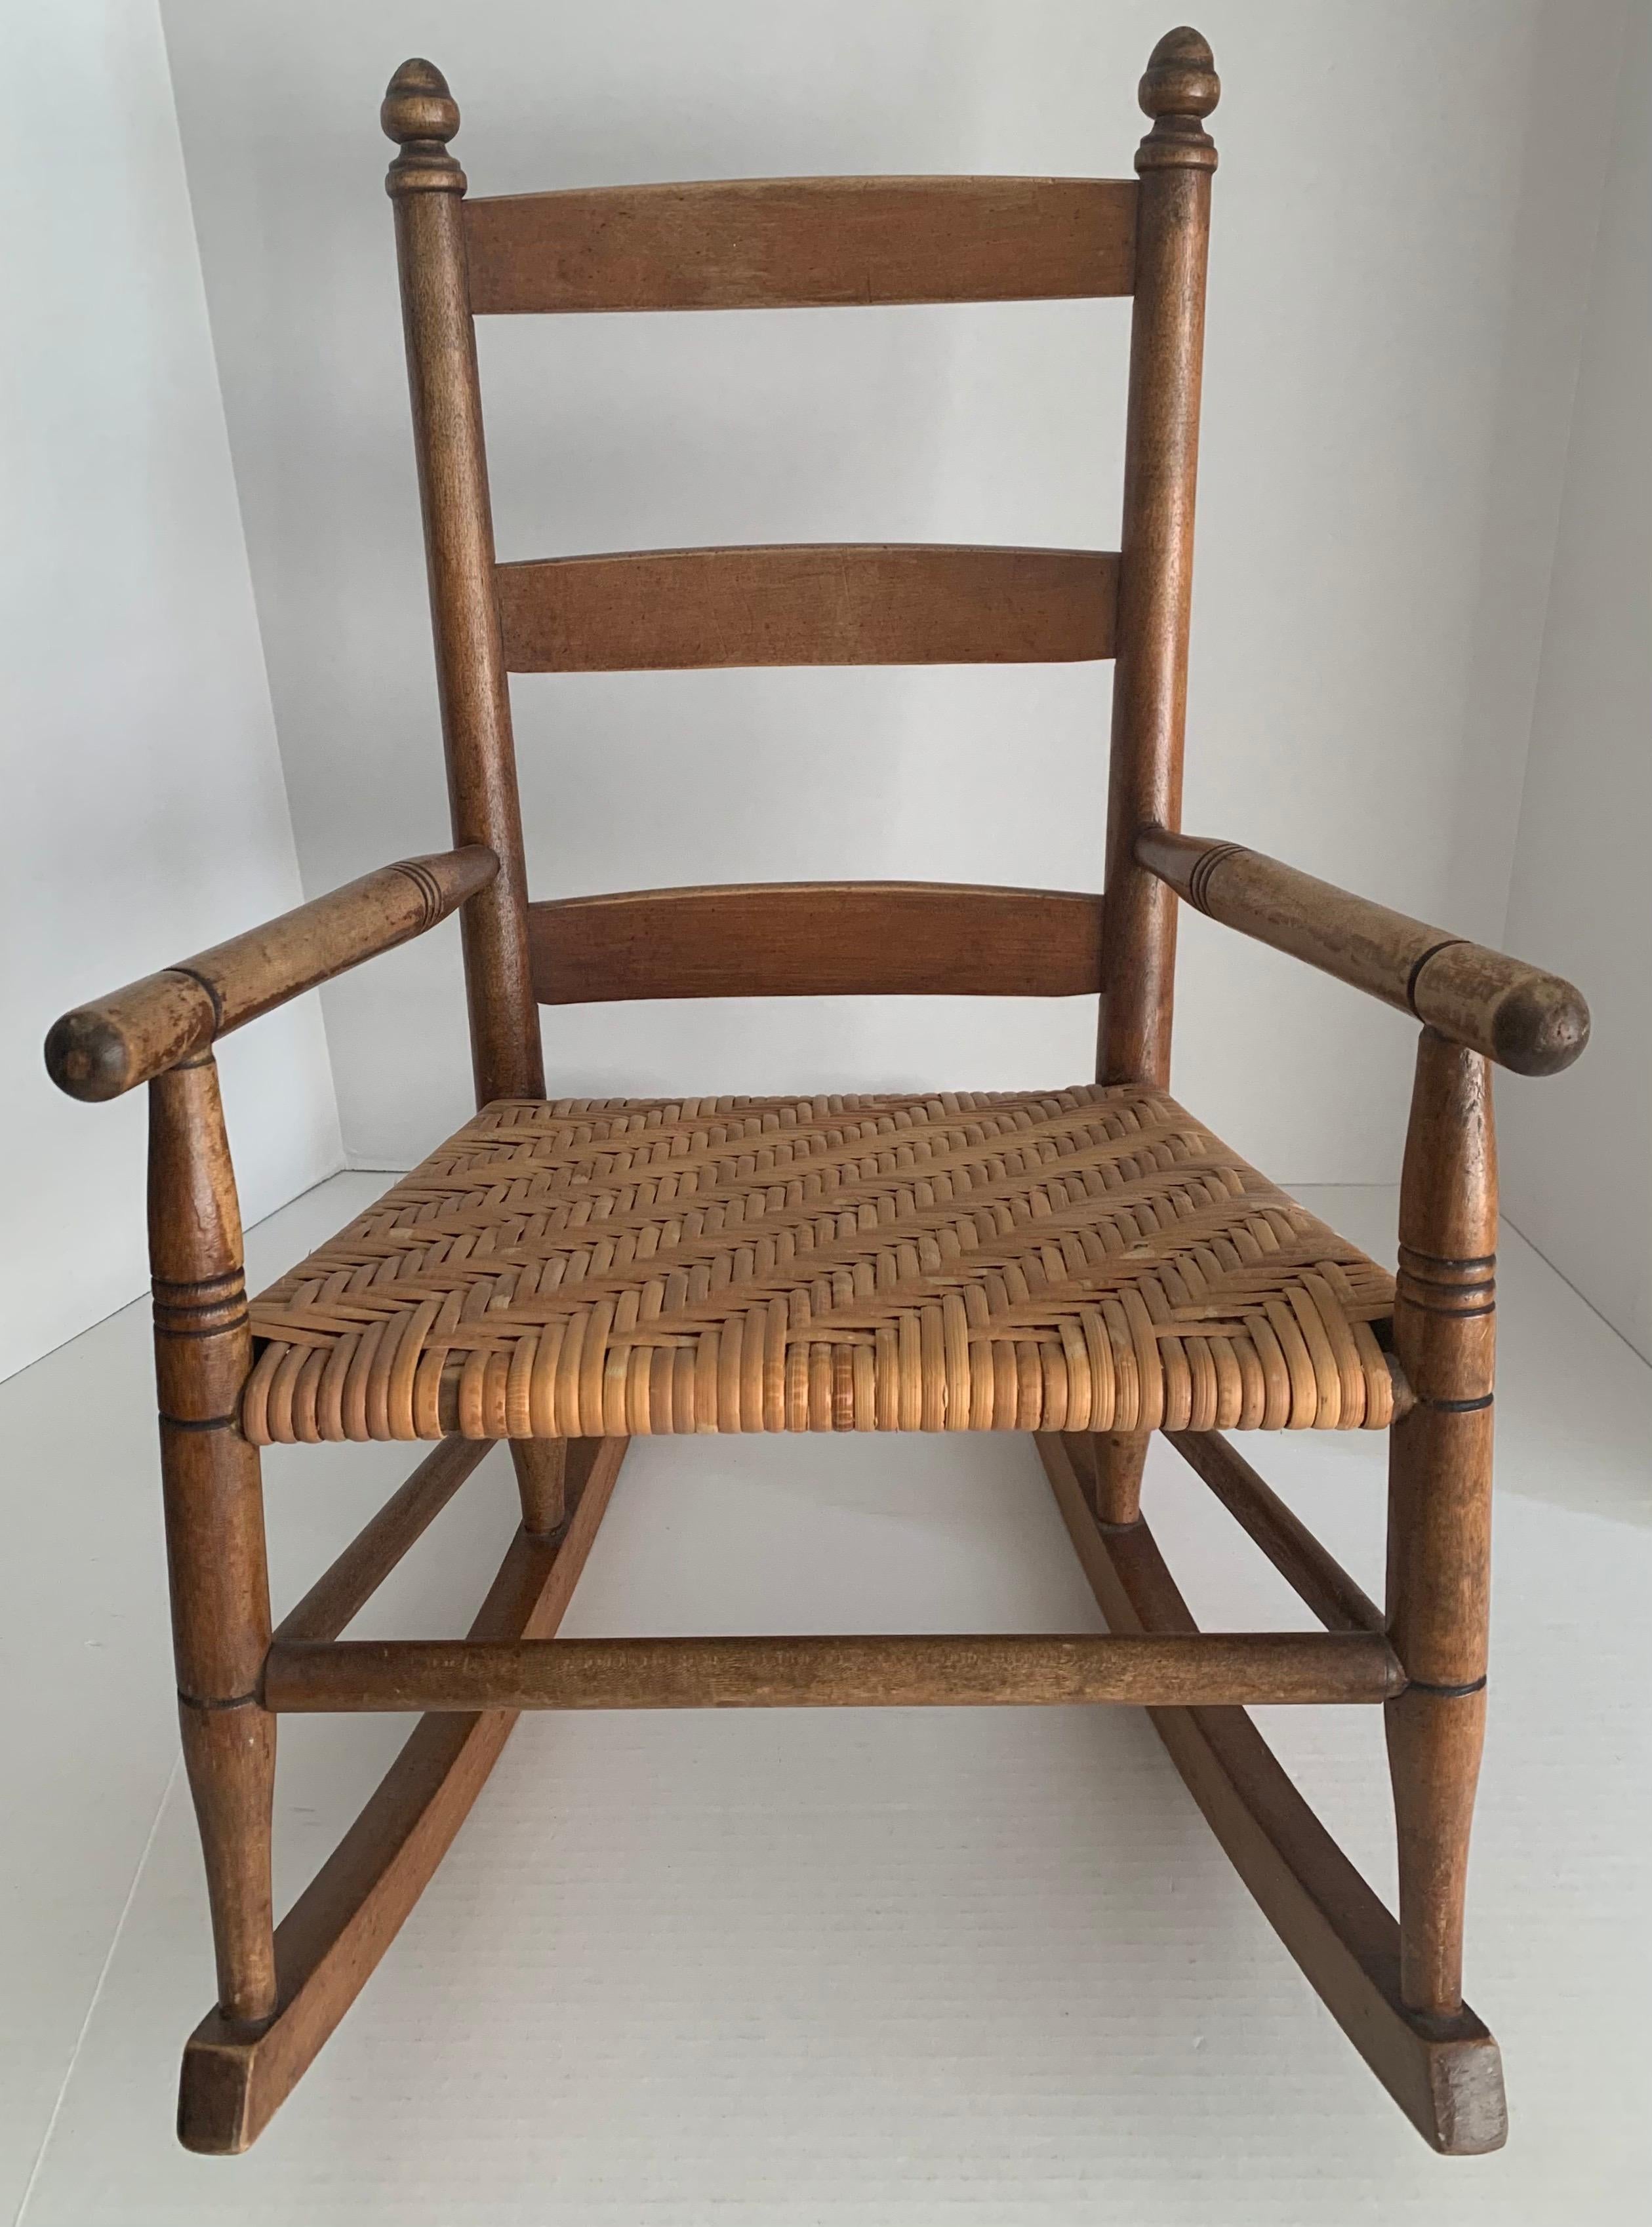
(1440, 1505)
(214, 1501)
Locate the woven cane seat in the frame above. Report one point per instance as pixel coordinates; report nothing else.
(1082, 1260)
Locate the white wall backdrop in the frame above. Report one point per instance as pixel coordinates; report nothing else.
(144, 814)
(1578, 1152)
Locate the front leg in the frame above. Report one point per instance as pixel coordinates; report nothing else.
(215, 1523)
(1439, 1506)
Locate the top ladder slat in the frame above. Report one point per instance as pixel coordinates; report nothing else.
(799, 242)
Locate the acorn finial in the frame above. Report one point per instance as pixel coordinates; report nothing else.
(421, 115)
(1178, 89)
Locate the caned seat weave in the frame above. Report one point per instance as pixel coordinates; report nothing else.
(1082, 1259)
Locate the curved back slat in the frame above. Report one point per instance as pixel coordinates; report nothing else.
(810, 604)
(816, 939)
(796, 243)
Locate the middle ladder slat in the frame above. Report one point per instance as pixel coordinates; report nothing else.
(807, 603)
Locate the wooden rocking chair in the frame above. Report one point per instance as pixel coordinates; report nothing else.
(1089, 1264)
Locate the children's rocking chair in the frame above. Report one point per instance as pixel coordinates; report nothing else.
(1086, 1263)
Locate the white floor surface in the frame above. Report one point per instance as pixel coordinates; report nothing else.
(886, 1968)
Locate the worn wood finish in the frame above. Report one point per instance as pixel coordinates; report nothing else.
(1520, 1015)
(426, 186)
(855, 1673)
(816, 940)
(791, 243)
(815, 603)
(1444, 2073)
(213, 1503)
(327, 1945)
(102, 1050)
(351, 1579)
(1315, 1575)
(1439, 1502)
(541, 1466)
(1116, 1461)
(1175, 162)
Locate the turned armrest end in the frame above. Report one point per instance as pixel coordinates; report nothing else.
(1520, 1015)
(103, 1049)
(106, 1050)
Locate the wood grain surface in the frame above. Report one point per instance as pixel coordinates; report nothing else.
(904, 1671)
(816, 939)
(789, 243)
(809, 603)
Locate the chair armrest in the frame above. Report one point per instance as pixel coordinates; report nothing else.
(1525, 1019)
(102, 1050)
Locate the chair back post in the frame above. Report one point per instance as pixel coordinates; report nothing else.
(426, 186)
(1174, 161)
